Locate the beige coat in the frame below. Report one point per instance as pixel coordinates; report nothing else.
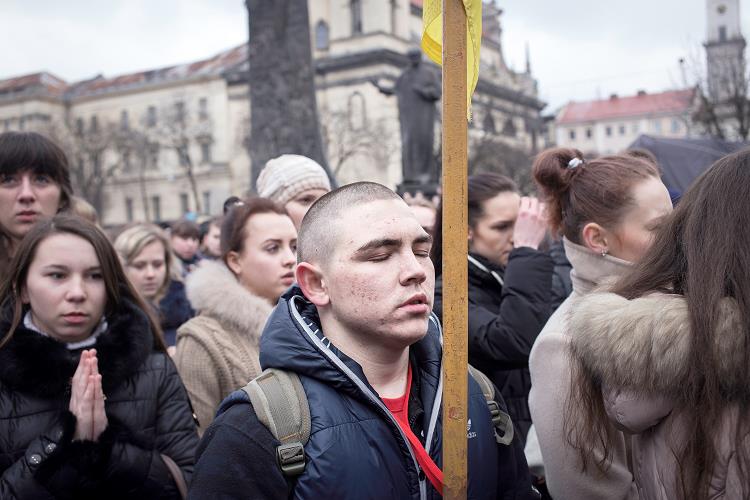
(640, 350)
(217, 351)
(550, 381)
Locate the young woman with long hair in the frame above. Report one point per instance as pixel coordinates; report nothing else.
(90, 404)
(606, 209)
(34, 183)
(217, 351)
(152, 269)
(665, 355)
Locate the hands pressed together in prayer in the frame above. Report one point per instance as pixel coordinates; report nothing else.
(87, 398)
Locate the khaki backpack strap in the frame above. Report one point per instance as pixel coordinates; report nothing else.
(280, 402)
(500, 420)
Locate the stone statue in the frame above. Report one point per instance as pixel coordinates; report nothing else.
(416, 89)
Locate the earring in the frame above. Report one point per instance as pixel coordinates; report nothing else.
(605, 252)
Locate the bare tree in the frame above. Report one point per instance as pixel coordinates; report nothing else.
(489, 153)
(91, 168)
(181, 129)
(344, 140)
(722, 107)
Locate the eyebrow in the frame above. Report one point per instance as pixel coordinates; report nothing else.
(52, 267)
(391, 243)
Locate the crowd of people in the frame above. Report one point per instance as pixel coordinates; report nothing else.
(292, 347)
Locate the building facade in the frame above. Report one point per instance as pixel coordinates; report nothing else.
(725, 50)
(608, 126)
(157, 144)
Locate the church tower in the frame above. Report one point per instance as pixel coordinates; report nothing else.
(725, 48)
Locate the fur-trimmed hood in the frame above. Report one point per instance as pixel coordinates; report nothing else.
(42, 366)
(644, 344)
(214, 291)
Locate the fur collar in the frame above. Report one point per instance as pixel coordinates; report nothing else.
(42, 366)
(214, 291)
(645, 343)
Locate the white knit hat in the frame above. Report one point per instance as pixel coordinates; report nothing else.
(285, 177)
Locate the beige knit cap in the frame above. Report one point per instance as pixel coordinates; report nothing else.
(285, 177)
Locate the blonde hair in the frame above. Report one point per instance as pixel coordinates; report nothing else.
(84, 209)
(131, 242)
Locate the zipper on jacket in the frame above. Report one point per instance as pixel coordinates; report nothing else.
(365, 390)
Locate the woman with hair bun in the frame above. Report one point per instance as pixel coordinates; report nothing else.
(606, 209)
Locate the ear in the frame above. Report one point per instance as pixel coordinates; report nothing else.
(233, 263)
(310, 280)
(24, 296)
(595, 237)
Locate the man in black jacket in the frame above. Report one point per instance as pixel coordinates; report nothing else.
(359, 333)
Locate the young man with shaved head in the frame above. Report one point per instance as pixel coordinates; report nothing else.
(359, 332)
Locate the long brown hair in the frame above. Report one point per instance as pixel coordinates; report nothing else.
(702, 253)
(116, 283)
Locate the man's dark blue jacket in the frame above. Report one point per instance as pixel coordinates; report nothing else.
(356, 449)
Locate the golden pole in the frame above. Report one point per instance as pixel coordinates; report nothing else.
(455, 266)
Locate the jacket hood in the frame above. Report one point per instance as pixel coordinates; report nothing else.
(39, 365)
(645, 343)
(484, 277)
(214, 291)
(293, 340)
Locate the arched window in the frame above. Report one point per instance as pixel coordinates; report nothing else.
(356, 111)
(488, 124)
(509, 128)
(321, 35)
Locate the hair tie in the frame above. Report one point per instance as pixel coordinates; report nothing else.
(575, 163)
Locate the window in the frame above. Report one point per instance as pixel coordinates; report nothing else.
(153, 155)
(622, 129)
(636, 128)
(206, 202)
(129, 209)
(79, 127)
(676, 128)
(124, 120)
(179, 112)
(356, 111)
(722, 33)
(356, 7)
(184, 203)
(589, 133)
(151, 116)
(94, 124)
(656, 126)
(126, 164)
(509, 129)
(488, 124)
(608, 131)
(156, 206)
(572, 135)
(322, 34)
(394, 12)
(203, 108)
(206, 152)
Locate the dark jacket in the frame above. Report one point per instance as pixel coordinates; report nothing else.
(356, 449)
(174, 311)
(504, 321)
(147, 411)
(562, 286)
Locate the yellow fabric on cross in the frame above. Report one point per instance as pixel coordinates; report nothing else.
(432, 38)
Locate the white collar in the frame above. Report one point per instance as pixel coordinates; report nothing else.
(91, 340)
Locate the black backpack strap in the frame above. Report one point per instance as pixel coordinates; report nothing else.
(280, 402)
(500, 420)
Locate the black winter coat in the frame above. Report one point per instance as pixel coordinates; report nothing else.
(147, 410)
(504, 321)
(174, 311)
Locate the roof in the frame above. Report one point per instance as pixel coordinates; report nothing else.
(673, 101)
(34, 84)
(46, 84)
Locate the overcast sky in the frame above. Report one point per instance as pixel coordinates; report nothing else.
(580, 49)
